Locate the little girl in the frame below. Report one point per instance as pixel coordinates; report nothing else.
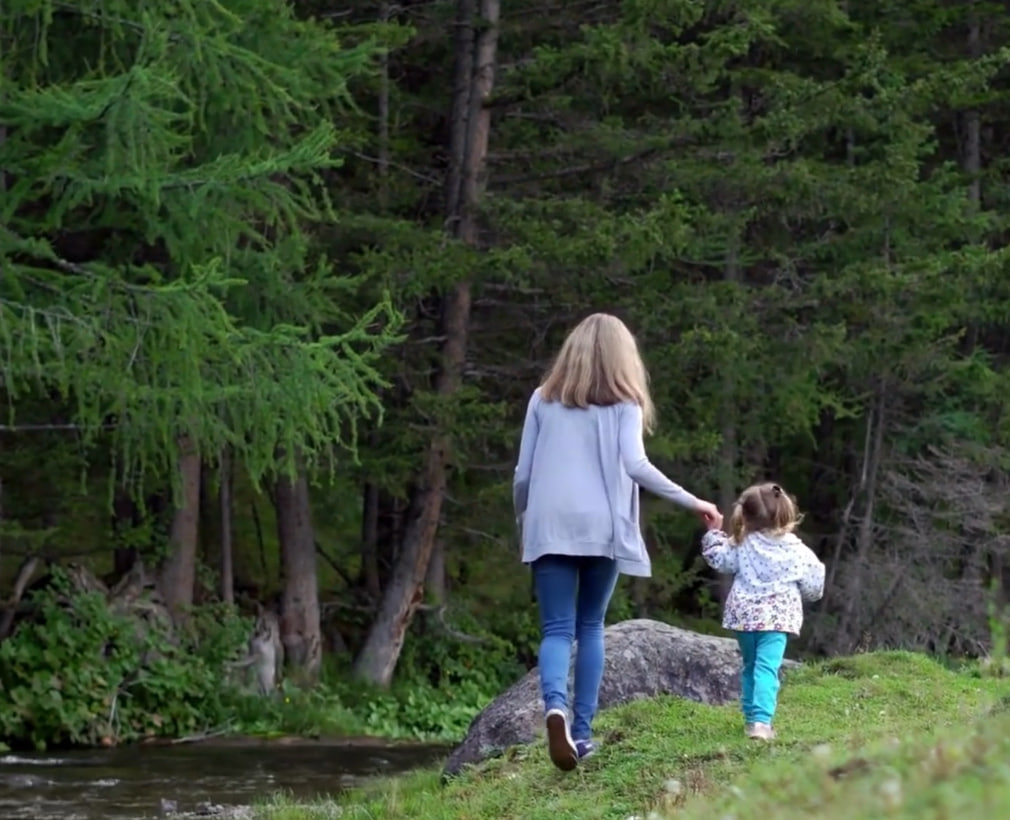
(774, 572)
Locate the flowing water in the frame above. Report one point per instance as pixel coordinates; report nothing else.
(144, 782)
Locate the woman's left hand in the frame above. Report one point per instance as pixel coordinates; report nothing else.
(710, 515)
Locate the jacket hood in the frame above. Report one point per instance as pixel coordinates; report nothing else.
(775, 555)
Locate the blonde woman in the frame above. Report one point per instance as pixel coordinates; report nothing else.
(581, 462)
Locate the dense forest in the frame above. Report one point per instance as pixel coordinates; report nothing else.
(277, 278)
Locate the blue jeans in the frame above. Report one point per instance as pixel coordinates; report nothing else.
(759, 682)
(573, 594)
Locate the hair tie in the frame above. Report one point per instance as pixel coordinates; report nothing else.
(776, 490)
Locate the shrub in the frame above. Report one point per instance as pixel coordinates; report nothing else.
(80, 673)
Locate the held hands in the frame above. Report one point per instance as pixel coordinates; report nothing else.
(710, 515)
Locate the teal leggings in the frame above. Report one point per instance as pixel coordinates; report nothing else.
(759, 682)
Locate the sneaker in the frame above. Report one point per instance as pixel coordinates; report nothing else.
(748, 730)
(585, 748)
(761, 731)
(560, 745)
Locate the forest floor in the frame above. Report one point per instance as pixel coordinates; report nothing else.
(891, 734)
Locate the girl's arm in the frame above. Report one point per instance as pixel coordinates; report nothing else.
(811, 582)
(524, 465)
(719, 552)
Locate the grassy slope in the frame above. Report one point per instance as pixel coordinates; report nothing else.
(862, 737)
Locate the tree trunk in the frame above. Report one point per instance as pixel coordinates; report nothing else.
(260, 541)
(178, 572)
(21, 581)
(224, 504)
(371, 505)
(3, 128)
(971, 161)
(728, 455)
(476, 49)
(300, 628)
(383, 116)
(125, 519)
(846, 636)
(207, 524)
(434, 580)
(972, 151)
(370, 542)
(371, 496)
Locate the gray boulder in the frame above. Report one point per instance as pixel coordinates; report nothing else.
(644, 658)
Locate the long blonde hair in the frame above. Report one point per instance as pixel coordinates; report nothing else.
(599, 363)
(763, 508)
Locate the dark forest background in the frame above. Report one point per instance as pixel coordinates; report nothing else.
(276, 280)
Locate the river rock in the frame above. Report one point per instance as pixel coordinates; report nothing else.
(170, 809)
(644, 658)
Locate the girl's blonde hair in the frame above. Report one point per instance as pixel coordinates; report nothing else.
(599, 363)
(763, 508)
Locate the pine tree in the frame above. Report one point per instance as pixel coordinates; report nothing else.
(164, 164)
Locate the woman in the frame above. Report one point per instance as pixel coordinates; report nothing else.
(581, 461)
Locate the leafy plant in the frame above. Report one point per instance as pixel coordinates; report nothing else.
(82, 673)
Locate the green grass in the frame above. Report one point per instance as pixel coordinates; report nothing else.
(884, 735)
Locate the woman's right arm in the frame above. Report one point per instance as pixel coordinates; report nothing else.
(524, 464)
(638, 466)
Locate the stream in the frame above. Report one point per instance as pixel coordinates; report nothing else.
(137, 783)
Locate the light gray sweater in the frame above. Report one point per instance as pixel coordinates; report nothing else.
(576, 483)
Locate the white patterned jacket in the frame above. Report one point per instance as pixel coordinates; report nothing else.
(772, 576)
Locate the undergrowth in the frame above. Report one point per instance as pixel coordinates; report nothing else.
(80, 674)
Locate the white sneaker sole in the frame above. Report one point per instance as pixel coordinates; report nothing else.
(560, 745)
